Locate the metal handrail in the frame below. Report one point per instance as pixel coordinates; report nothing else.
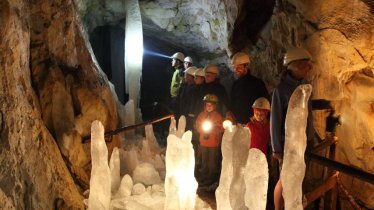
(355, 172)
(86, 139)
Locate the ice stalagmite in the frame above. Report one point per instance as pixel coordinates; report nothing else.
(115, 170)
(240, 143)
(256, 178)
(222, 192)
(100, 182)
(293, 169)
(181, 126)
(180, 183)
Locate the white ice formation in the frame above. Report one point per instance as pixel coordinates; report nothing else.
(180, 183)
(231, 190)
(240, 143)
(256, 180)
(293, 169)
(100, 182)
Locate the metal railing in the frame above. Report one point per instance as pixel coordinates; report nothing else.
(109, 134)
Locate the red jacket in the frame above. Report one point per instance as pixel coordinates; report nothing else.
(213, 137)
(260, 134)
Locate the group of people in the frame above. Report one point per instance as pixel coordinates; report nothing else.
(198, 95)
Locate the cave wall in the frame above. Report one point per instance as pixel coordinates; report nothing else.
(51, 91)
(340, 37)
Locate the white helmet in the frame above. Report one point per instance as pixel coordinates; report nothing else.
(240, 58)
(188, 59)
(294, 54)
(199, 72)
(190, 70)
(178, 55)
(211, 68)
(261, 103)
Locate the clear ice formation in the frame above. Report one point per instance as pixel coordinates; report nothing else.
(180, 183)
(293, 169)
(130, 118)
(146, 173)
(240, 143)
(133, 50)
(231, 189)
(114, 166)
(222, 192)
(100, 182)
(256, 175)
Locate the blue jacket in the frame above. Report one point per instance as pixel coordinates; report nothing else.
(281, 97)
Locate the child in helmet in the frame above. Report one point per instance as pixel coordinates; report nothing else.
(259, 125)
(209, 126)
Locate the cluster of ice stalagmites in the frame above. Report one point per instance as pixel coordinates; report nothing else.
(244, 176)
(109, 191)
(145, 189)
(180, 183)
(293, 169)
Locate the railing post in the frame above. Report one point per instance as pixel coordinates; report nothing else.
(331, 196)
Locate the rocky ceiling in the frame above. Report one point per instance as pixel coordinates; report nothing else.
(200, 28)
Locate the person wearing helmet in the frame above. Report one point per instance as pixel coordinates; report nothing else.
(177, 78)
(187, 62)
(298, 63)
(245, 90)
(209, 126)
(213, 86)
(184, 97)
(259, 125)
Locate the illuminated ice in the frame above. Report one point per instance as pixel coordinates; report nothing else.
(114, 166)
(222, 192)
(129, 161)
(133, 50)
(240, 142)
(100, 182)
(256, 180)
(293, 169)
(180, 183)
(146, 173)
(129, 119)
(125, 187)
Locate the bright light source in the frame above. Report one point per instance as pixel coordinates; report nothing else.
(226, 124)
(207, 126)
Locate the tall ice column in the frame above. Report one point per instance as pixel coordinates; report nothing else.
(133, 50)
(293, 169)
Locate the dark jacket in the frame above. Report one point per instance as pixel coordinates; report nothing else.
(196, 103)
(244, 92)
(183, 100)
(281, 97)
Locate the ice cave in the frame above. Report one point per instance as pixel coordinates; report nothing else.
(89, 119)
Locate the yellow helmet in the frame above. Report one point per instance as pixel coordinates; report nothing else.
(261, 103)
(210, 98)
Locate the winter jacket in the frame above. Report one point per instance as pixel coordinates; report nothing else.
(212, 138)
(280, 99)
(260, 134)
(244, 92)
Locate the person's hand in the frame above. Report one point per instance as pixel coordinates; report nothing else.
(278, 155)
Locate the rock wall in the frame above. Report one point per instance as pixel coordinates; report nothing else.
(340, 37)
(51, 91)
